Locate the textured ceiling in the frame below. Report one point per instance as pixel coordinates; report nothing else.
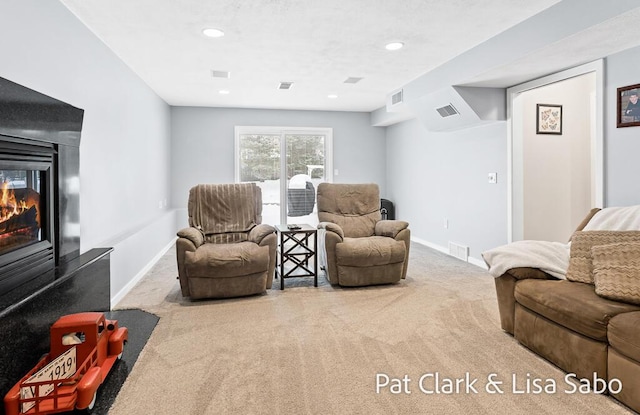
(315, 44)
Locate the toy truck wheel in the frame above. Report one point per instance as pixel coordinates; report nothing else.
(87, 388)
(93, 402)
(91, 405)
(124, 343)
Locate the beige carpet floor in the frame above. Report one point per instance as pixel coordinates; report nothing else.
(308, 350)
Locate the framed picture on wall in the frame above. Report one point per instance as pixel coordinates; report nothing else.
(548, 119)
(628, 106)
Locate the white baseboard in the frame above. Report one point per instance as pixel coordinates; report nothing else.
(125, 290)
(430, 245)
(478, 262)
(473, 261)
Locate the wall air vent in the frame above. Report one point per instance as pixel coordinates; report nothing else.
(352, 80)
(396, 98)
(285, 85)
(396, 101)
(447, 111)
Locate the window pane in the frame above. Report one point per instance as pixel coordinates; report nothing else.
(259, 158)
(305, 170)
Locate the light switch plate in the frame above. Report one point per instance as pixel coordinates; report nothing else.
(493, 178)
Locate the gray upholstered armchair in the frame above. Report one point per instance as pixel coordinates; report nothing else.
(361, 249)
(226, 251)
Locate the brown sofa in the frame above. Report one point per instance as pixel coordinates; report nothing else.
(226, 251)
(569, 324)
(360, 248)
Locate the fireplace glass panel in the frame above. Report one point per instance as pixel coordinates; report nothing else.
(21, 208)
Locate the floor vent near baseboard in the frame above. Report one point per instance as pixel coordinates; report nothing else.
(459, 251)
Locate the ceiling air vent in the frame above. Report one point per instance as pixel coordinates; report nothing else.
(352, 80)
(396, 98)
(447, 111)
(285, 85)
(220, 74)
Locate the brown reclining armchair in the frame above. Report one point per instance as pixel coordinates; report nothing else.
(226, 251)
(361, 249)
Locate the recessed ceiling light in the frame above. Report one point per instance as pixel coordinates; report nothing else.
(332, 96)
(223, 92)
(213, 32)
(394, 45)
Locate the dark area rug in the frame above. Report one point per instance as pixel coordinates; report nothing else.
(140, 325)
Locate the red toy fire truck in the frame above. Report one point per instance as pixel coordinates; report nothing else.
(84, 347)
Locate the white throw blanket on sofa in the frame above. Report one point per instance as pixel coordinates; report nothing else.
(550, 257)
(625, 218)
(553, 257)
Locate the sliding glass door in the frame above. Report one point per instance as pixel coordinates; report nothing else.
(287, 164)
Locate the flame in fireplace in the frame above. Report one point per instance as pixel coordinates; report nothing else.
(10, 205)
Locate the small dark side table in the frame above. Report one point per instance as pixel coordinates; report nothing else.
(296, 247)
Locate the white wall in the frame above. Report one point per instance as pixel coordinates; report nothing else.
(622, 145)
(557, 168)
(124, 150)
(433, 177)
(202, 145)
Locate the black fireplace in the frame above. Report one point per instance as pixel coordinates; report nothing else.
(39, 201)
(43, 274)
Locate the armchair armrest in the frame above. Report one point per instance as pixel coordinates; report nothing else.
(259, 232)
(390, 228)
(333, 227)
(192, 234)
(189, 239)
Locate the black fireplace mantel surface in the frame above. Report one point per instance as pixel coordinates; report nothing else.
(59, 276)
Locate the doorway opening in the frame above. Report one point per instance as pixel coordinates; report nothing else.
(555, 179)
